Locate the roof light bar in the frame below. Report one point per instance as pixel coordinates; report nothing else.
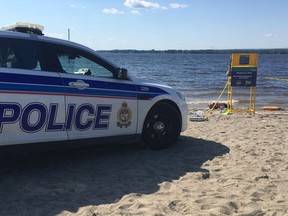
(25, 28)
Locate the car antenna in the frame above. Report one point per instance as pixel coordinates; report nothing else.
(68, 34)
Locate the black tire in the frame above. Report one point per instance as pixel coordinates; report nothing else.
(162, 126)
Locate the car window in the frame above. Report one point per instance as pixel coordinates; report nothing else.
(76, 61)
(7, 56)
(21, 54)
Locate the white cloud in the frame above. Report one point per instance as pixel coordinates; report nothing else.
(141, 4)
(77, 6)
(135, 12)
(176, 5)
(268, 35)
(112, 11)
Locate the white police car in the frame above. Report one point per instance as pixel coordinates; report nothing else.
(56, 90)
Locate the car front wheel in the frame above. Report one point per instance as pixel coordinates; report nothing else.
(162, 126)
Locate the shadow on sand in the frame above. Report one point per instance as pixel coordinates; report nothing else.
(48, 183)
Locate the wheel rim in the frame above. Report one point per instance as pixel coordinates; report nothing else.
(159, 127)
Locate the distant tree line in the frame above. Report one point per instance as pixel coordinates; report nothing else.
(206, 51)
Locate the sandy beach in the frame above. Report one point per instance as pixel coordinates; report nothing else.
(229, 165)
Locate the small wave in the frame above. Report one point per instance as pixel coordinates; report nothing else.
(277, 79)
(242, 101)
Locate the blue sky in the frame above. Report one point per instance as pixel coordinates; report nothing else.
(158, 24)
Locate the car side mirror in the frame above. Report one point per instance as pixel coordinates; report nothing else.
(122, 73)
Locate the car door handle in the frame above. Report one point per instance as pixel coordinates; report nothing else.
(80, 84)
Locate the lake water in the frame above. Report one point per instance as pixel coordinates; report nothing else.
(202, 77)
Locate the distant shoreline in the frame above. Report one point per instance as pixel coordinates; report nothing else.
(208, 51)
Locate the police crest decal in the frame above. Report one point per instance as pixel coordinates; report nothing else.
(124, 116)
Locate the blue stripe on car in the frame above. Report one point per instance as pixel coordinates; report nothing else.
(34, 84)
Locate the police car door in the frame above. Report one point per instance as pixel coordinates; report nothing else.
(32, 107)
(97, 104)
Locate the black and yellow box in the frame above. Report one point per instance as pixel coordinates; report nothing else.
(243, 69)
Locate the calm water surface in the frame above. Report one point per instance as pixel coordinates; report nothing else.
(202, 77)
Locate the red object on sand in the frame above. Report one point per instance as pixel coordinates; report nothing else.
(217, 106)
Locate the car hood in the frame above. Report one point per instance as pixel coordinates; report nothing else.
(150, 83)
